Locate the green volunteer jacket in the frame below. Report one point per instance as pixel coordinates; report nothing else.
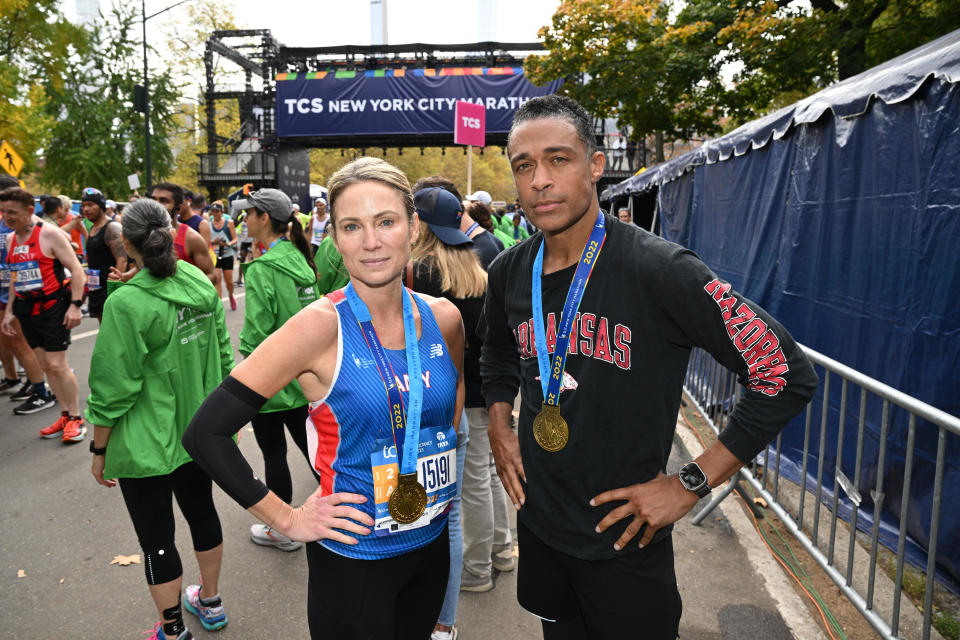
(333, 275)
(278, 285)
(506, 226)
(162, 348)
(507, 240)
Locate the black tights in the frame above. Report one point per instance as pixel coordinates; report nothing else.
(151, 510)
(396, 598)
(268, 430)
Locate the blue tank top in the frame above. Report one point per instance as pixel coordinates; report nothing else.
(350, 441)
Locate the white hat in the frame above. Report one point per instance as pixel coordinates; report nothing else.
(480, 196)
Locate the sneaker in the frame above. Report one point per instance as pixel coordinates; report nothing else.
(158, 634)
(476, 584)
(54, 430)
(503, 559)
(35, 404)
(74, 430)
(25, 392)
(266, 536)
(9, 386)
(444, 635)
(211, 615)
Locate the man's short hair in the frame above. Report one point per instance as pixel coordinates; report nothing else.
(175, 189)
(198, 200)
(50, 204)
(17, 194)
(437, 181)
(8, 181)
(557, 106)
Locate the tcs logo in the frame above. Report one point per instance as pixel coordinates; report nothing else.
(470, 123)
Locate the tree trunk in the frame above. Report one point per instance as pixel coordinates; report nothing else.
(658, 146)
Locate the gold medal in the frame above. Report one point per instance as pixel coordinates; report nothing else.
(550, 429)
(408, 501)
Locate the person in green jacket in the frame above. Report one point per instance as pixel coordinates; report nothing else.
(332, 274)
(162, 348)
(281, 282)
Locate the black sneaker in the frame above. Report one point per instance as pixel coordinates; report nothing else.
(35, 404)
(25, 392)
(8, 386)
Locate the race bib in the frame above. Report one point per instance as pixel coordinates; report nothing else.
(4, 278)
(436, 471)
(93, 279)
(28, 276)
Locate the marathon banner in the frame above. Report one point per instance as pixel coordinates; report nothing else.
(395, 101)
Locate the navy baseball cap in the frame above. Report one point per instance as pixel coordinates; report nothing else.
(441, 210)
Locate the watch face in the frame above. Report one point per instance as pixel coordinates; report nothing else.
(692, 476)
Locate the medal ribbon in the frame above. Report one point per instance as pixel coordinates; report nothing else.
(551, 378)
(405, 423)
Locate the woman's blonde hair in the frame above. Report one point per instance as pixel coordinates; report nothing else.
(368, 169)
(459, 268)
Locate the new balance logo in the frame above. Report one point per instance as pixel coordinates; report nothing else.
(436, 350)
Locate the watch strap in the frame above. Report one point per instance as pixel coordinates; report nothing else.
(97, 452)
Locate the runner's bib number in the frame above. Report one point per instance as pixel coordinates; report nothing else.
(436, 471)
(4, 279)
(93, 279)
(28, 276)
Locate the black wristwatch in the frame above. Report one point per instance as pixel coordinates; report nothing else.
(77, 303)
(97, 452)
(694, 479)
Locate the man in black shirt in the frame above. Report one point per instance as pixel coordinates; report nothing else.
(596, 507)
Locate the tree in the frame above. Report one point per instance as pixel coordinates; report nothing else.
(36, 42)
(655, 71)
(186, 39)
(98, 138)
(679, 68)
(491, 171)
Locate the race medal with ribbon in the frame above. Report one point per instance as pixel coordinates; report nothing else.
(408, 501)
(550, 430)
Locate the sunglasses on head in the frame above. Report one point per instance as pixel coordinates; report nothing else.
(90, 191)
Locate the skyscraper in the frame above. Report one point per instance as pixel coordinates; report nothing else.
(378, 21)
(487, 20)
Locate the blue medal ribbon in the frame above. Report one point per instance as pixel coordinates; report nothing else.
(405, 423)
(551, 378)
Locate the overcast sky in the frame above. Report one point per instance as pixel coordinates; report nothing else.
(339, 22)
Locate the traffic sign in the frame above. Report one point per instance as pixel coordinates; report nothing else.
(10, 160)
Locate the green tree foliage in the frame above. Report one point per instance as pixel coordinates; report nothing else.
(678, 69)
(491, 171)
(98, 139)
(36, 42)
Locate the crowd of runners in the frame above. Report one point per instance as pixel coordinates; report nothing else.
(389, 332)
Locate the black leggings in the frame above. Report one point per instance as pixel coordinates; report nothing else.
(395, 598)
(268, 430)
(151, 510)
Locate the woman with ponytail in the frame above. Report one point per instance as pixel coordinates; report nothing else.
(164, 347)
(281, 282)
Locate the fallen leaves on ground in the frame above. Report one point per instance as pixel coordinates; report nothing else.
(126, 560)
(21, 573)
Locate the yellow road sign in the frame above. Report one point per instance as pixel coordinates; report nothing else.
(11, 162)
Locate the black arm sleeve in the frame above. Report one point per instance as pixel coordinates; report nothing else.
(209, 440)
(499, 358)
(779, 379)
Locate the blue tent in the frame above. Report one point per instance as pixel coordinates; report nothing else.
(840, 214)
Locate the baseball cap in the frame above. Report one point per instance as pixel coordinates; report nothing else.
(272, 201)
(111, 204)
(441, 210)
(480, 196)
(93, 195)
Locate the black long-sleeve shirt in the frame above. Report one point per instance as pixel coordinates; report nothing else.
(648, 302)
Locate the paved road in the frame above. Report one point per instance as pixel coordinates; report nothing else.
(62, 530)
